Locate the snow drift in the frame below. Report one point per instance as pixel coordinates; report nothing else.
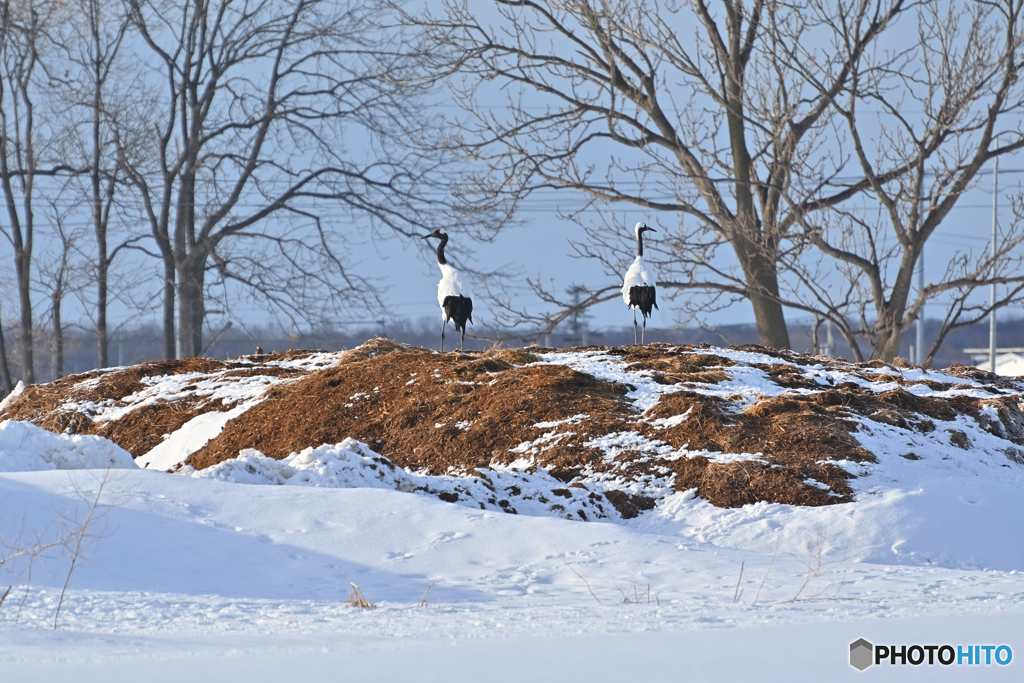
(27, 448)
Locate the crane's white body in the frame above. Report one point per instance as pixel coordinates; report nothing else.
(636, 275)
(638, 290)
(453, 295)
(450, 285)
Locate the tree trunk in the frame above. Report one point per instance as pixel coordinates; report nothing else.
(763, 287)
(102, 349)
(188, 261)
(888, 345)
(5, 371)
(23, 264)
(169, 291)
(99, 225)
(890, 329)
(757, 261)
(892, 312)
(58, 336)
(191, 307)
(771, 320)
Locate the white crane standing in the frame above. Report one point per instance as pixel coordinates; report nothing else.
(638, 285)
(453, 296)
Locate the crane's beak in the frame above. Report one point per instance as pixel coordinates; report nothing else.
(427, 236)
(650, 230)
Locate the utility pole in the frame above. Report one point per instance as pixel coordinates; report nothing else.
(920, 316)
(992, 293)
(578, 322)
(919, 352)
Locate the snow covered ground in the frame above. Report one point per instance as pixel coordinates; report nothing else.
(225, 574)
(194, 577)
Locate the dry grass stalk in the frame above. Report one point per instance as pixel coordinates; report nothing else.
(582, 579)
(423, 599)
(71, 534)
(817, 570)
(80, 533)
(357, 599)
(637, 597)
(30, 550)
(738, 593)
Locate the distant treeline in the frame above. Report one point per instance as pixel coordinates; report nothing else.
(131, 345)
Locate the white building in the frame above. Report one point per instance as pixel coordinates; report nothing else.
(1007, 364)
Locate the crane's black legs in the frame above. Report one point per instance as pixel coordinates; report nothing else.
(634, 326)
(443, 323)
(642, 330)
(462, 340)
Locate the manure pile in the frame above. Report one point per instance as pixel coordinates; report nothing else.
(588, 433)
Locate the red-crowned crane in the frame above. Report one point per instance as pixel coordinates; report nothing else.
(638, 285)
(453, 296)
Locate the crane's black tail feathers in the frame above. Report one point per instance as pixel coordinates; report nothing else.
(458, 309)
(644, 298)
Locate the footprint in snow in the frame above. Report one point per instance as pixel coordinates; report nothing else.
(398, 555)
(446, 536)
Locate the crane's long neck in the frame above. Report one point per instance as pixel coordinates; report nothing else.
(440, 250)
(639, 243)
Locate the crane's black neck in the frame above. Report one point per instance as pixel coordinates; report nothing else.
(440, 250)
(639, 242)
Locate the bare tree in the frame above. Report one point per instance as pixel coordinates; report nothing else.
(56, 280)
(89, 42)
(932, 111)
(18, 32)
(22, 145)
(273, 133)
(60, 269)
(693, 109)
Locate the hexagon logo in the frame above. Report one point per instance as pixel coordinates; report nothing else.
(862, 654)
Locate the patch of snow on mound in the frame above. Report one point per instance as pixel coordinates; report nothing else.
(159, 389)
(521, 487)
(189, 438)
(223, 386)
(349, 464)
(27, 448)
(646, 392)
(745, 386)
